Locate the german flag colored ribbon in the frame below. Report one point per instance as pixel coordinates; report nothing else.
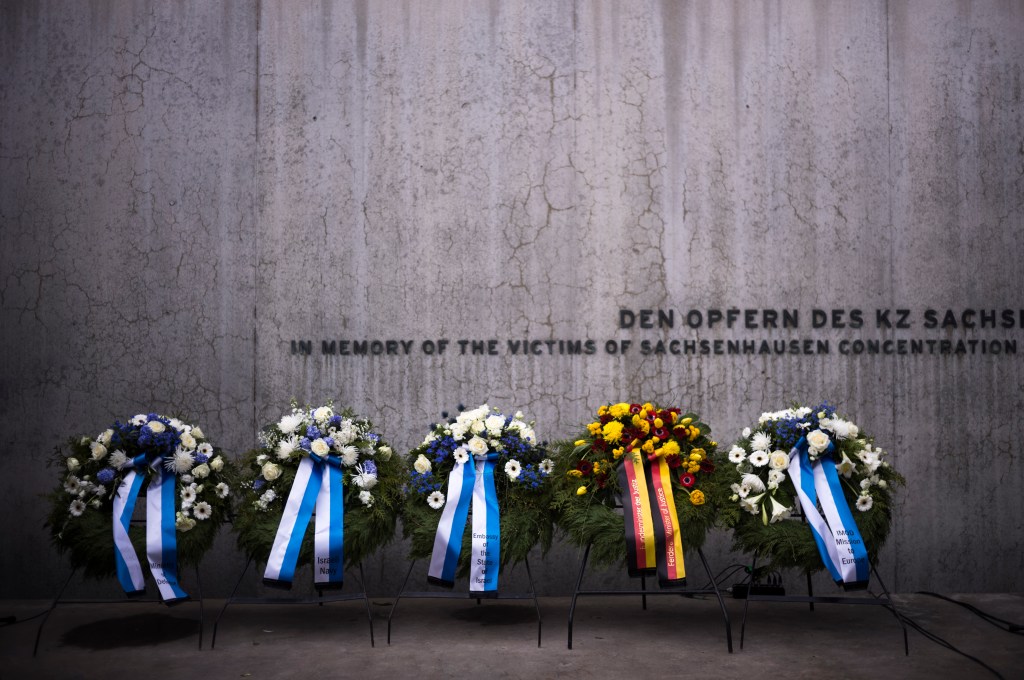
(653, 543)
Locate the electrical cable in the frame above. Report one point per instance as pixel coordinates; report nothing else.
(1001, 624)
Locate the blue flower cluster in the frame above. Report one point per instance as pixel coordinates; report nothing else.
(369, 468)
(530, 476)
(313, 433)
(423, 483)
(105, 476)
(788, 431)
(441, 448)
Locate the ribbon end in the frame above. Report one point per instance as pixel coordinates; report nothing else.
(856, 585)
(329, 585)
(275, 583)
(177, 600)
(672, 582)
(135, 593)
(484, 594)
(635, 572)
(435, 581)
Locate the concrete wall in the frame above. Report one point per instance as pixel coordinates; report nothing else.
(186, 190)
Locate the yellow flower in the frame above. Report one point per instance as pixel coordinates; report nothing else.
(580, 442)
(644, 426)
(686, 421)
(597, 467)
(648, 446)
(714, 444)
(675, 417)
(696, 497)
(618, 452)
(693, 467)
(602, 410)
(697, 455)
(574, 473)
(694, 432)
(658, 422)
(670, 448)
(618, 410)
(594, 428)
(582, 490)
(612, 432)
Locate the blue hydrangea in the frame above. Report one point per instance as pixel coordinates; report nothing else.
(369, 468)
(201, 458)
(105, 476)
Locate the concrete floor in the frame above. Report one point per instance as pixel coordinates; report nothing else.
(436, 638)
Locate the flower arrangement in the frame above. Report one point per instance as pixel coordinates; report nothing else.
(521, 485)
(760, 467)
(91, 475)
(652, 441)
(358, 468)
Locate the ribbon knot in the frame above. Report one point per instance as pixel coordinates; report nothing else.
(161, 532)
(839, 541)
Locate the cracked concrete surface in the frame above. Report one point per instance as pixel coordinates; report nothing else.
(187, 190)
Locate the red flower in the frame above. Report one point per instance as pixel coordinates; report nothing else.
(585, 466)
(661, 433)
(606, 418)
(687, 480)
(674, 462)
(707, 466)
(601, 480)
(681, 431)
(634, 409)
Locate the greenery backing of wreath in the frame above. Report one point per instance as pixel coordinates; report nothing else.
(760, 509)
(585, 500)
(521, 480)
(81, 505)
(267, 474)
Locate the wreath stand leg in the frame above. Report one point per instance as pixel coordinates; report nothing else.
(882, 600)
(643, 593)
(319, 600)
(60, 593)
(447, 595)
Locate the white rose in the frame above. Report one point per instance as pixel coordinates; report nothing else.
(217, 464)
(99, 451)
(477, 446)
(746, 432)
(494, 424)
(477, 427)
(271, 471)
(322, 414)
(458, 431)
(73, 464)
(201, 471)
(817, 440)
(105, 437)
(384, 453)
(197, 433)
(319, 447)
(155, 426)
(779, 460)
(527, 435)
(188, 442)
(421, 465)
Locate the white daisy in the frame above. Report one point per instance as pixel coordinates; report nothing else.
(436, 500)
(865, 502)
(223, 490)
(206, 449)
(737, 455)
(513, 468)
(759, 458)
(460, 455)
(188, 495)
(547, 466)
(72, 484)
(76, 508)
(202, 510)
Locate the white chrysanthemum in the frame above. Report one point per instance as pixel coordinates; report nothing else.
(421, 464)
(461, 455)
(737, 454)
(436, 500)
(366, 497)
(206, 448)
(72, 484)
(547, 466)
(752, 482)
(202, 510)
(779, 511)
(188, 494)
(346, 434)
(118, 459)
(98, 451)
(289, 422)
(775, 477)
(864, 502)
(349, 455)
(223, 490)
(513, 468)
(177, 424)
(180, 463)
(286, 447)
(760, 441)
(779, 460)
(759, 459)
(76, 508)
(364, 480)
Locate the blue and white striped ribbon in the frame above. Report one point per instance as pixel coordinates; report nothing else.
(317, 485)
(470, 482)
(161, 533)
(839, 542)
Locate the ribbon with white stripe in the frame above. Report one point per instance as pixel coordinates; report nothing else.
(317, 485)
(469, 482)
(161, 533)
(839, 542)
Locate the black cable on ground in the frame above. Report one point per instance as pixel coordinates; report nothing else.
(1001, 624)
(14, 620)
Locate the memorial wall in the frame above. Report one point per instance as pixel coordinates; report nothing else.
(210, 209)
